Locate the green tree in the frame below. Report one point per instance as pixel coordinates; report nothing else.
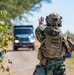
(5, 36)
(69, 33)
(16, 8)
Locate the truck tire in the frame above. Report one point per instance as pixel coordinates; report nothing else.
(15, 48)
(33, 48)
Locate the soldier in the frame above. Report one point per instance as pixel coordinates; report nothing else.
(55, 45)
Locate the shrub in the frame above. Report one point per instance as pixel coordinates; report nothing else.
(5, 36)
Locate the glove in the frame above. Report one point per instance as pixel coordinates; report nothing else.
(41, 20)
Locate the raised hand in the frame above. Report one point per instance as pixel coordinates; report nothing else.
(41, 20)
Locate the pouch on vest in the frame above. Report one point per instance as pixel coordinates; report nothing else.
(39, 70)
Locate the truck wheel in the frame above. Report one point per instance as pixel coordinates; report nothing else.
(33, 48)
(15, 48)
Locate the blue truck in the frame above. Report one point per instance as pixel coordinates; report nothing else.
(23, 37)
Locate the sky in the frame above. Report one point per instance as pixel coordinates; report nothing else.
(63, 7)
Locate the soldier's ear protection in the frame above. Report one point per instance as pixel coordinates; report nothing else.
(54, 19)
(47, 21)
(60, 24)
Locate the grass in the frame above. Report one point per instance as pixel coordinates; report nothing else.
(70, 62)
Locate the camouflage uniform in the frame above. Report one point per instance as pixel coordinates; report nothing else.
(52, 52)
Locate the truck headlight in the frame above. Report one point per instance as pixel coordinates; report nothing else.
(16, 41)
(32, 40)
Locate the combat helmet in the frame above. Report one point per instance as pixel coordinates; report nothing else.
(54, 19)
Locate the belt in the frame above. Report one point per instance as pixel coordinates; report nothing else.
(49, 59)
(55, 62)
(61, 58)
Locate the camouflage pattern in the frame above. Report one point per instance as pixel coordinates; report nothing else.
(53, 48)
(54, 15)
(39, 33)
(58, 69)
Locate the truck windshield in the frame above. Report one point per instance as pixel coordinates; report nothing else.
(23, 31)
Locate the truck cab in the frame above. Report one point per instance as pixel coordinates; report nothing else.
(24, 37)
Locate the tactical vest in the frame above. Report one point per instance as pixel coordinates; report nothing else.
(54, 47)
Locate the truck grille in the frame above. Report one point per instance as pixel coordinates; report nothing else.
(24, 39)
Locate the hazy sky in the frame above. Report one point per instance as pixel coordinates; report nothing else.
(63, 7)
